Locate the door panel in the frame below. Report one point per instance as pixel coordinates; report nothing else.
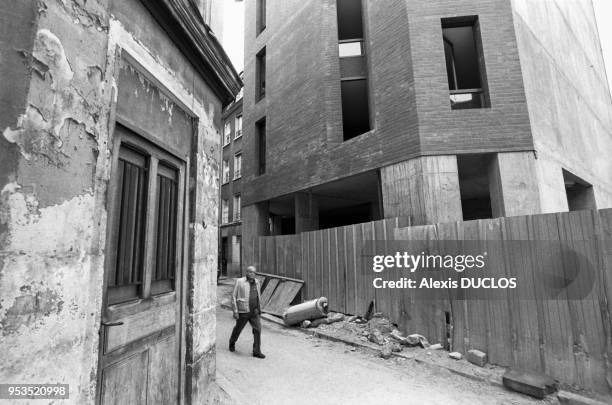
(162, 372)
(125, 382)
(140, 325)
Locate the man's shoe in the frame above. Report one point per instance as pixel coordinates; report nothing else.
(232, 347)
(259, 355)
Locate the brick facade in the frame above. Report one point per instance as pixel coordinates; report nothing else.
(410, 111)
(408, 91)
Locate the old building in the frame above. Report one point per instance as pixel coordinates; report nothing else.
(110, 121)
(230, 221)
(358, 110)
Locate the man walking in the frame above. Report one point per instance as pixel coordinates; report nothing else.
(245, 304)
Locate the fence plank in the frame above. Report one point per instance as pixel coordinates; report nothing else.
(526, 324)
(588, 341)
(341, 272)
(351, 274)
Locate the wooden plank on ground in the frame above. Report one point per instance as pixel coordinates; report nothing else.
(268, 291)
(261, 280)
(281, 299)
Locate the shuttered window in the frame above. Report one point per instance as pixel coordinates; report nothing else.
(132, 182)
(166, 221)
(145, 220)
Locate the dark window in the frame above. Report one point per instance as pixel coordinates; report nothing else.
(354, 84)
(133, 179)
(261, 15)
(350, 24)
(261, 146)
(355, 108)
(475, 185)
(465, 66)
(580, 195)
(166, 221)
(260, 72)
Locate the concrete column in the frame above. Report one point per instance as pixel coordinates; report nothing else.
(553, 197)
(306, 212)
(513, 185)
(603, 198)
(425, 188)
(254, 223)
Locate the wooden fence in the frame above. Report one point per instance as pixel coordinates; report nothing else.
(568, 339)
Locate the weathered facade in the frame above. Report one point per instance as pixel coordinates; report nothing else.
(107, 104)
(230, 220)
(386, 120)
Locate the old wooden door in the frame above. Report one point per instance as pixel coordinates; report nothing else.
(140, 333)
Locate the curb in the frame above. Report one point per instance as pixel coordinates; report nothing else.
(569, 398)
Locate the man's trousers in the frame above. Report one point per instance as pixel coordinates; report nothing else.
(255, 321)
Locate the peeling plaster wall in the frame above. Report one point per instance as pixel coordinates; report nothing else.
(56, 152)
(567, 94)
(52, 198)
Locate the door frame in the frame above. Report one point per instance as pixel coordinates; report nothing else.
(121, 43)
(141, 304)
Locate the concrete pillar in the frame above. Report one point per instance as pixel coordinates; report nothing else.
(553, 197)
(603, 198)
(513, 185)
(425, 188)
(254, 223)
(306, 212)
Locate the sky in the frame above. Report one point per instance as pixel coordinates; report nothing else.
(233, 27)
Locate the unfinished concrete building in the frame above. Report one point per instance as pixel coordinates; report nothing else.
(442, 111)
(110, 121)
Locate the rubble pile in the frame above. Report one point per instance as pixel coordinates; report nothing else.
(384, 333)
(372, 327)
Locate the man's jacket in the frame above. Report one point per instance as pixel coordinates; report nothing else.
(240, 297)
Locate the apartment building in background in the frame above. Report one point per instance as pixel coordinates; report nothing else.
(230, 178)
(442, 111)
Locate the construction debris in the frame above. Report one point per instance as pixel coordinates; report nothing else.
(535, 385)
(375, 336)
(309, 310)
(455, 355)
(331, 318)
(386, 352)
(437, 346)
(418, 340)
(477, 357)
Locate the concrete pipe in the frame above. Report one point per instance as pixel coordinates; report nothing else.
(308, 310)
